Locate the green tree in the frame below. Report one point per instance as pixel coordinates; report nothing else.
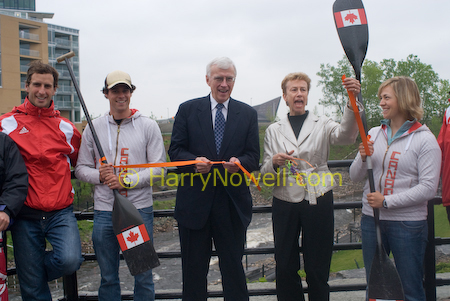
(334, 94)
(433, 90)
(373, 76)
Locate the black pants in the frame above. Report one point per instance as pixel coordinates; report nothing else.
(316, 224)
(225, 229)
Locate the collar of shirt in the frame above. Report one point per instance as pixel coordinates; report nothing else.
(402, 130)
(213, 109)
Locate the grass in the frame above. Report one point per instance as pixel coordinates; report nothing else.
(343, 152)
(343, 260)
(85, 228)
(346, 260)
(443, 267)
(441, 224)
(442, 229)
(163, 205)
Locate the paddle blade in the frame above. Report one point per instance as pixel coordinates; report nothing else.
(134, 240)
(124, 214)
(384, 282)
(351, 24)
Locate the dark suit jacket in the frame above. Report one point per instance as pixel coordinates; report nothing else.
(193, 137)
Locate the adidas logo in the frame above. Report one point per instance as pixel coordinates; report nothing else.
(24, 130)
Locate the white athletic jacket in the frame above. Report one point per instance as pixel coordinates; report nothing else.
(406, 172)
(137, 140)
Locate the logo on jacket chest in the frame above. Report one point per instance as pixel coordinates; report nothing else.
(123, 160)
(391, 173)
(23, 130)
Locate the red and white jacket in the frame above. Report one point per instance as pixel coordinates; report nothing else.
(444, 143)
(49, 145)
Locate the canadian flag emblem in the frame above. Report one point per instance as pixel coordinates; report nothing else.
(350, 17)
(133, 237)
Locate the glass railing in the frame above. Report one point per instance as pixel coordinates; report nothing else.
(63, 42)
(66, 89)
(24, 68)
(66, 74)
(28, 52)
(28, 36)
(63, 104)
(63, 29)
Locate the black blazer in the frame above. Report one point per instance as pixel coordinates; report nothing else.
(193, 137)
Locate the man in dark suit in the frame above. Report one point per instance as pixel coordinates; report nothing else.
(214, 202)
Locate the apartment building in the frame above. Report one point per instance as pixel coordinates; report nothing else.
(25, 37)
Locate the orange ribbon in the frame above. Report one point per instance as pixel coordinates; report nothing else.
(302, 160)
(358, 119)
(185, 163)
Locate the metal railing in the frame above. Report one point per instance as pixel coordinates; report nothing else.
(430, 280)
(70, 283)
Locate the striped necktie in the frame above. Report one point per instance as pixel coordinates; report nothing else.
(219, 126)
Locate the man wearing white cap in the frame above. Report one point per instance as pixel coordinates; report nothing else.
(127, 137)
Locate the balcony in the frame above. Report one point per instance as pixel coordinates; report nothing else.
(28, 36)
(65, 89)
(63, 105)
(66, 74)
(24, 68)
(63, 43)
(28, 52)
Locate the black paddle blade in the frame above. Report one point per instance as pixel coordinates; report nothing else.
(134, 240)
(351, 24)
(384, 282)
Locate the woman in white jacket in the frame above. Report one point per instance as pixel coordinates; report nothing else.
(406, 161)
(302, 196)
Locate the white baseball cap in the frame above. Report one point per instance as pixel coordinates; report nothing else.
(118, 77)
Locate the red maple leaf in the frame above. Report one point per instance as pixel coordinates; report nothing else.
(351, 18)
(133, 237)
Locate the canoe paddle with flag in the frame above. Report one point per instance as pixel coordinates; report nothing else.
(128, 225)
(351, 23)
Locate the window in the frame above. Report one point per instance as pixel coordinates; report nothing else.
(18, 4)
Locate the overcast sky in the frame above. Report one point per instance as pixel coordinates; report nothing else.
(165, 45)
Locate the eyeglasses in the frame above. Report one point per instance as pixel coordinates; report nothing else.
(219, 79)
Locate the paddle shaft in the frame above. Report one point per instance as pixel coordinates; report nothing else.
(357, 64)
(376, 211)
(85, 110)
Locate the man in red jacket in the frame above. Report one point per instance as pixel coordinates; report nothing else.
(49, 146)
